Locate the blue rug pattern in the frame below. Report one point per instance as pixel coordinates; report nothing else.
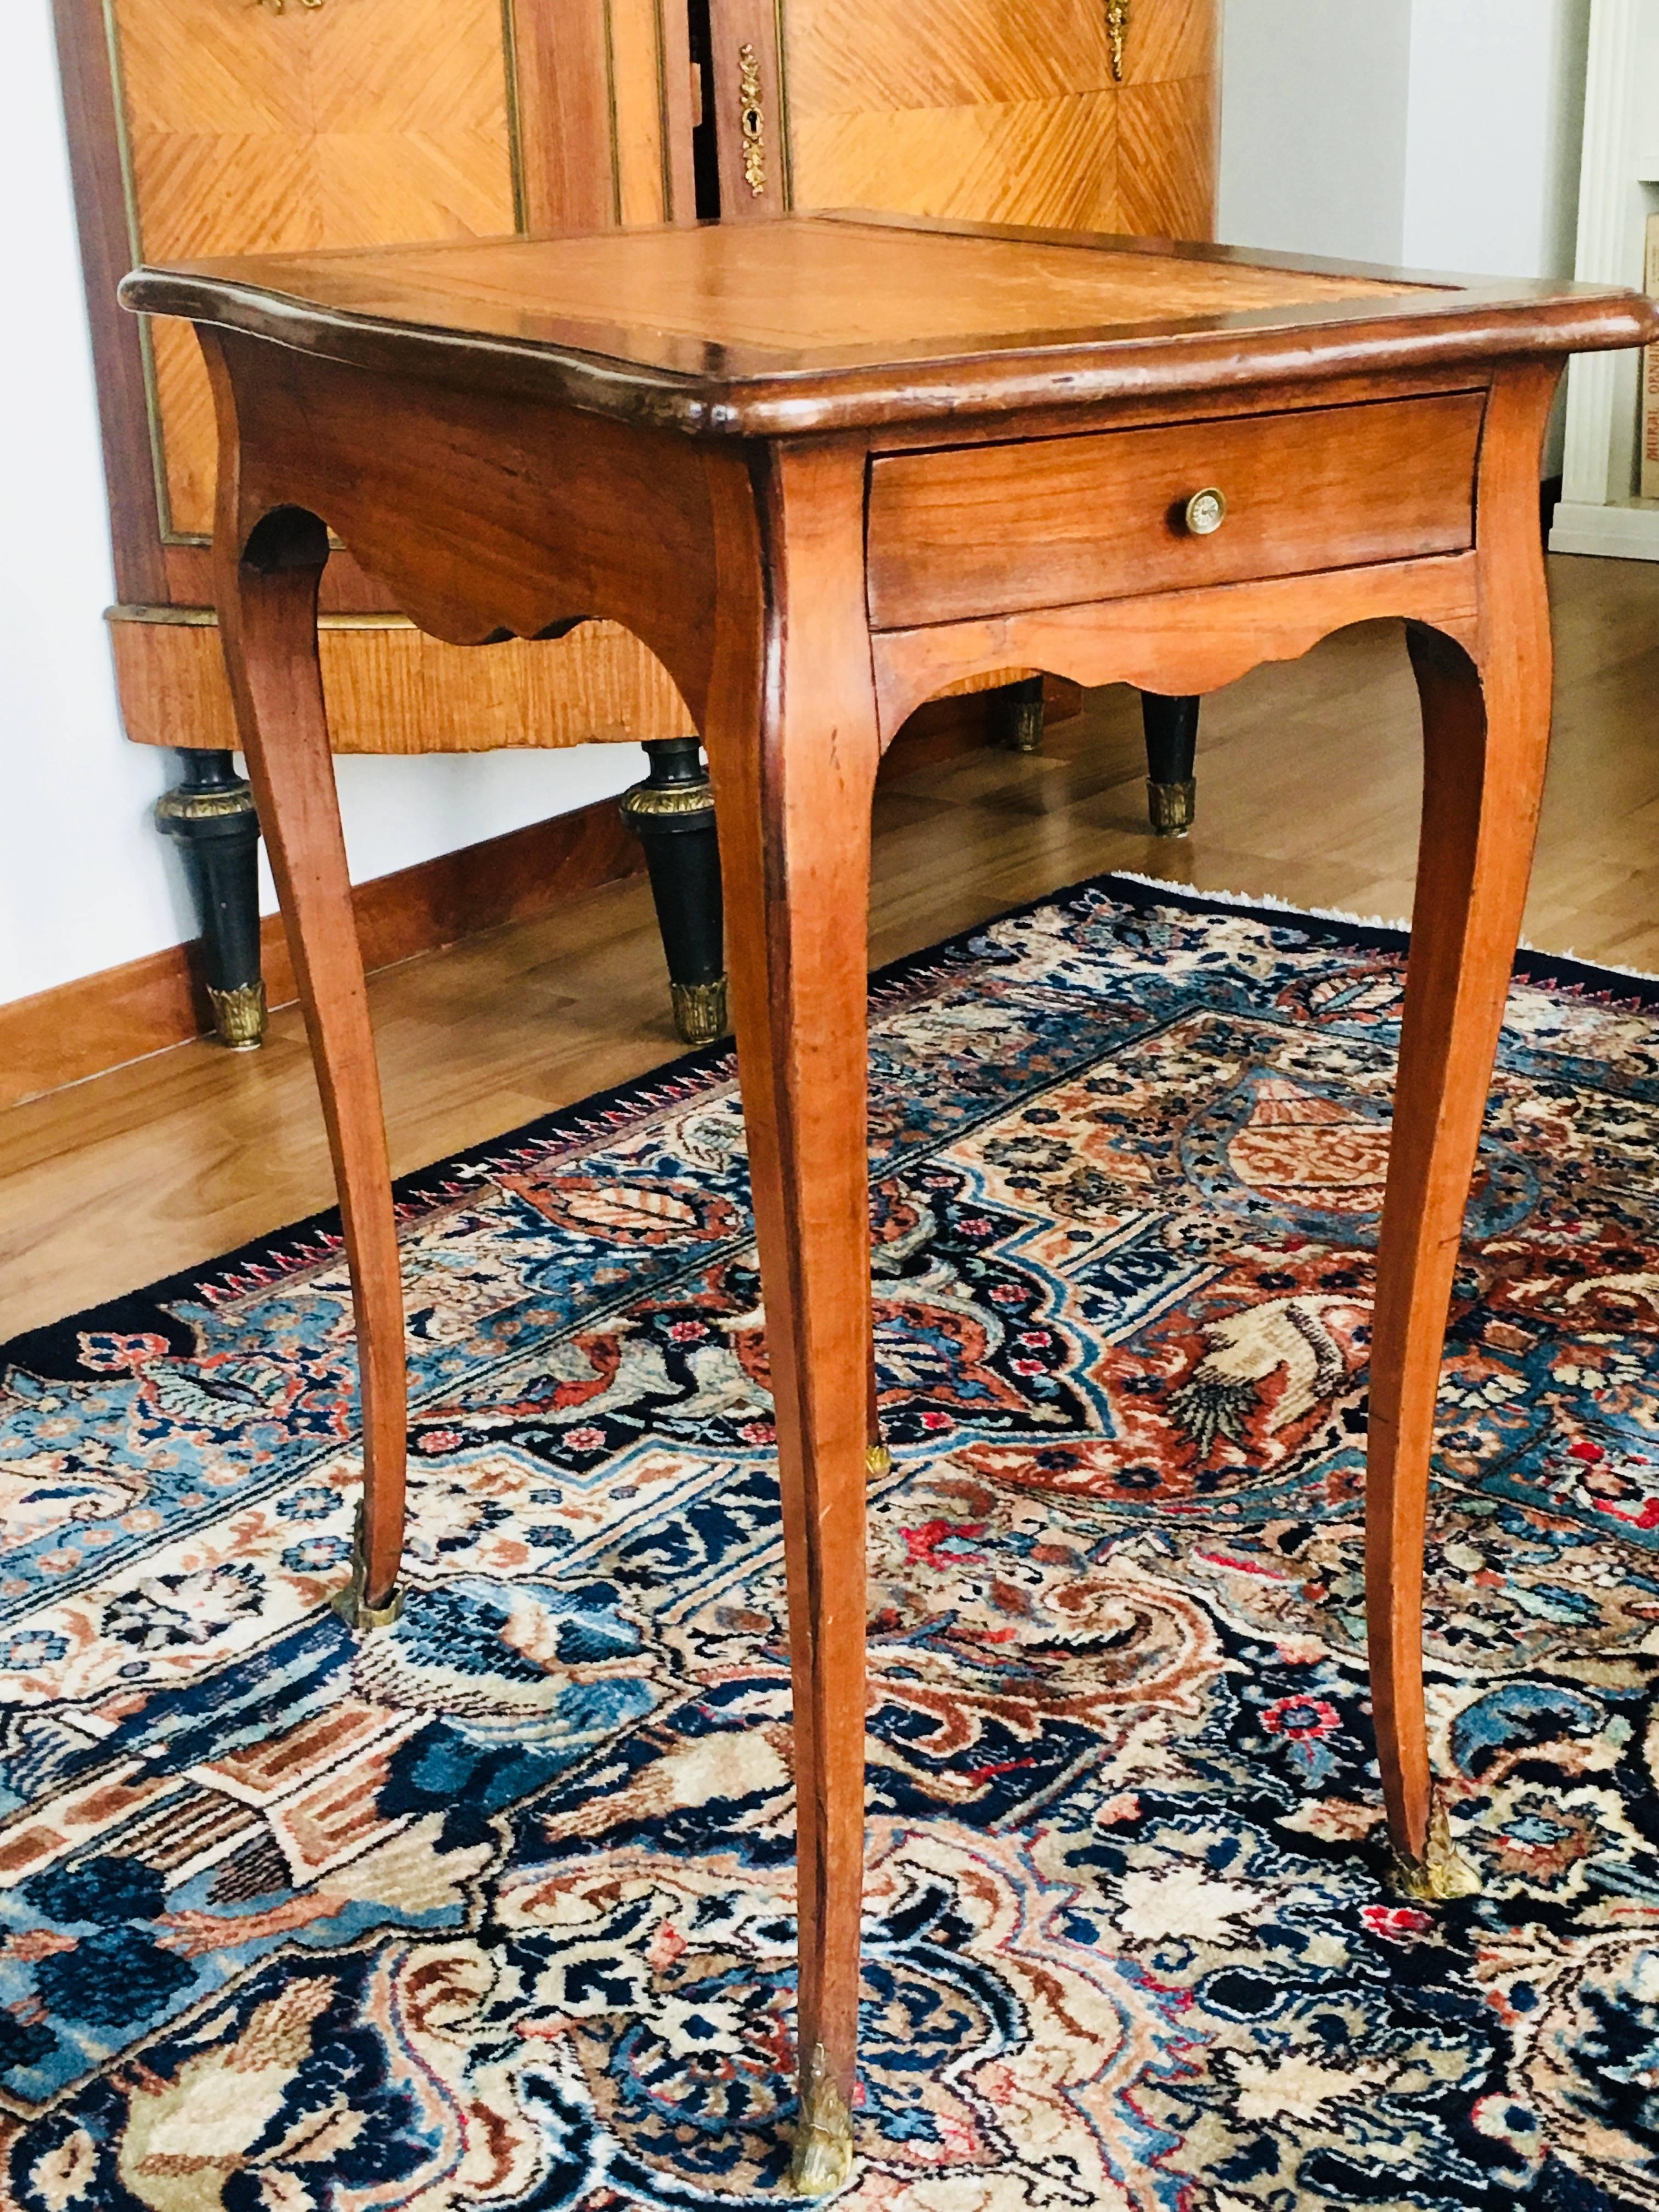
(494, 1913)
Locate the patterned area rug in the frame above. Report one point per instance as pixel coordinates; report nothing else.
(496, 1911)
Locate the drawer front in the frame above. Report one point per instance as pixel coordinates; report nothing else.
(986, 530)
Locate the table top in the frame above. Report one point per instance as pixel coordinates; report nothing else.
(818, 322)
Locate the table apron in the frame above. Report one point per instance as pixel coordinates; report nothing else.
(1173, 643)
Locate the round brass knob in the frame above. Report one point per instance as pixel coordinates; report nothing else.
(1207, 511)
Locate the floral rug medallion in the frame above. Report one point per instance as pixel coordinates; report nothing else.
(493, 1912)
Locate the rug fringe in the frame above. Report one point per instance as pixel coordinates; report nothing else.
(1266, 903)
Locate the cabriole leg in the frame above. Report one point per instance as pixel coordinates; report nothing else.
(1171, 730)
(268, 621)
(673, 815)
(791, 729)
(1486, 739)
(211, 817)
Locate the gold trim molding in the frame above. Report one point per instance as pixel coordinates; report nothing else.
(181, 804)
(658, 802)
(166, 617)
(1117, 32)
(751, 119)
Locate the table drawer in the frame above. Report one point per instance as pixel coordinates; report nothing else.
(985, 529)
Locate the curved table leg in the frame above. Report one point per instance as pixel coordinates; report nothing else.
(267, 619)
(792, 745)
(1486, 736)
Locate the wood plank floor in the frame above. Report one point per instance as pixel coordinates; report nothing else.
(1307, 789)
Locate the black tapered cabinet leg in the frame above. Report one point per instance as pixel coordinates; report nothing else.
(1171, 727)
(1020, 715)
(211, 814)
(672, 814)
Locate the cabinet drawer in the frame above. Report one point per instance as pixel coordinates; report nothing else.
(985, 529)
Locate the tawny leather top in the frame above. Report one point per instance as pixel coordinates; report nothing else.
(817, 320)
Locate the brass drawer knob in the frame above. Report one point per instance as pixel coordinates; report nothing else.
(1207, 511)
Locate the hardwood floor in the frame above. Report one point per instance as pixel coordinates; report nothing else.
(1307, 790)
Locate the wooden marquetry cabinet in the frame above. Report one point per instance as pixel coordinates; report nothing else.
(204, 127)
(1066, 114)
(210, 127)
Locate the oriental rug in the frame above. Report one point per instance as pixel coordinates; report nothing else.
(495, 1910)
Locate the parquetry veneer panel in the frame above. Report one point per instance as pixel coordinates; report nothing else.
(1004, 111)
(344, 125)
(384, 678)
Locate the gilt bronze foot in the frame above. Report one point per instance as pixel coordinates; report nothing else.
(1171, 806)
(823, 2136)
(352, 1602)
(877, 1460)
(1441, 1873)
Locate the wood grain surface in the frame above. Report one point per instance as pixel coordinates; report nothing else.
(485, 515)
(803, 288)
(1176, 644)
(268, 613)
(806, 325)
(1004, 111)
(793, 748)
(253, 132)
(1486, 746)
(392, 689)
(996, 528)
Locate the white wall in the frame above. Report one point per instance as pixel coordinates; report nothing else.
(85, 881)
(1622, 190)
(1494, 129)
(1439, 134)
(1313, 125)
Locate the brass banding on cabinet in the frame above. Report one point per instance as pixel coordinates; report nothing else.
(975, 530)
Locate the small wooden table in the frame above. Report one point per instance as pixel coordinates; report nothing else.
(823, 467)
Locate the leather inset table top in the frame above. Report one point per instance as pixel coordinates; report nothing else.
(837, 317)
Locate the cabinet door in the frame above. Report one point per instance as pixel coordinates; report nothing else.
(284, 125)
(1066, 114)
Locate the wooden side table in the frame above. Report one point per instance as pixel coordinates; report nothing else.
(821, 467)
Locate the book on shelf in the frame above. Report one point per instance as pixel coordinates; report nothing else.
(1650, 486)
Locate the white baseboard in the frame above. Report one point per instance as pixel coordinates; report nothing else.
(1619, 533)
